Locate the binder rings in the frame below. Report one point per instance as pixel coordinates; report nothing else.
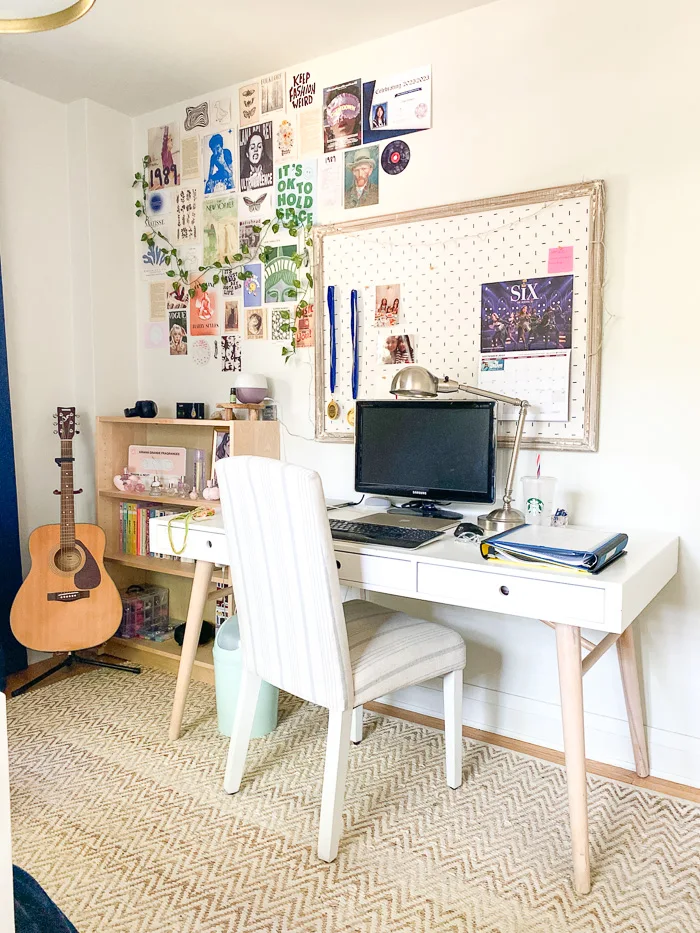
(572, 547)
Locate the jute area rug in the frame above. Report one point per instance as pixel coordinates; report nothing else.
(132, 833)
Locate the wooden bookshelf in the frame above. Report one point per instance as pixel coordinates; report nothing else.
(114, 435)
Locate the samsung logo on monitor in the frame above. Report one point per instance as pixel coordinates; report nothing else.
(419, 492)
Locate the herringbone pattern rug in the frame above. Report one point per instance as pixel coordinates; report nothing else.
(131, 833)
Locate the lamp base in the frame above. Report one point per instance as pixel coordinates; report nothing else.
(500, 520)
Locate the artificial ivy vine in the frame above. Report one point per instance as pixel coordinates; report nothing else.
(213, 274)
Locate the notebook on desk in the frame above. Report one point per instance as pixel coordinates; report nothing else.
(572, 547)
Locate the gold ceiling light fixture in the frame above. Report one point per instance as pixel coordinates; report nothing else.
(52, 19)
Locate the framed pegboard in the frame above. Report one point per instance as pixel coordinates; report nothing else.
(441, 257)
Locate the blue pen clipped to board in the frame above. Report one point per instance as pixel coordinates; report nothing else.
(354, 321)
(331, 318)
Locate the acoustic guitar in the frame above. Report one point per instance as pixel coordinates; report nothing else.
(68, 601)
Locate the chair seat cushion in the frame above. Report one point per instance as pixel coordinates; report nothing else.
(390, 650)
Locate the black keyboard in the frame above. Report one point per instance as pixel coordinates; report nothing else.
(366, 533)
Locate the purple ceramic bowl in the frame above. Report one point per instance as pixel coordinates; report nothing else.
(250, 396)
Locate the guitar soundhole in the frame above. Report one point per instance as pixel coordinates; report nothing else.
(68, 560)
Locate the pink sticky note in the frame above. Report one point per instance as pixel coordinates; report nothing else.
(561, 259)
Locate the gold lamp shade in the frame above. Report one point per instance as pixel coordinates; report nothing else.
(63, 17)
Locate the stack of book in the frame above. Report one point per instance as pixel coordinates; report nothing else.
(134, 536)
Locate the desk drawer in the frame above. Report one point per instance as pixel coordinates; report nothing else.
(200, 546)
(371, 571)
(512, 595)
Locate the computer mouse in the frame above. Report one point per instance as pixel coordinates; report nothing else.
(467, 528)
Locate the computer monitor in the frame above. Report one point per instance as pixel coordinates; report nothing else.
(426, 449)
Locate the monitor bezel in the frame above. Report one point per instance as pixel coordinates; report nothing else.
(452, 495)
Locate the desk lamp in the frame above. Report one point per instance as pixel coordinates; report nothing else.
(417, 382)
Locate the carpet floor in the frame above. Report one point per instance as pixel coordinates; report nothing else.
(132, 833)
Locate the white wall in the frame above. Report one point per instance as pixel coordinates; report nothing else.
(527, 95)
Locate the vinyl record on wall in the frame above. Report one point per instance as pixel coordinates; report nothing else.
(395, 157)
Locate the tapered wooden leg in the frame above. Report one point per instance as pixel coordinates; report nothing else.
(571, 686)
(452, 690)
(356, 727)
(334, 775)
(242, 727)
(633, 700)
(193, 626)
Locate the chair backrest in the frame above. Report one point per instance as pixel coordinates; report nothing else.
(285, 579)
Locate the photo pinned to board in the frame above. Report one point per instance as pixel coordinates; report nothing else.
(256, 324)
(255, 155)
(204, 312)
(230, 354)
(362, 177)
(249, 104)
(164, 156)
(217, 162)
(272, 92)
(196, 117)
(396, 349)
(177, 324)
(232, 321)
(155, 335)
(342, 116)
(220, 228)
(387, 305)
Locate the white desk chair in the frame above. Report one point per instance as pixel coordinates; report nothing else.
(297, 635)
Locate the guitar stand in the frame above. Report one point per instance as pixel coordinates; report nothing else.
(71, 659)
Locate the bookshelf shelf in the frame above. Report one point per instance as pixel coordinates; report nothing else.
(155, 564)
(154, 500)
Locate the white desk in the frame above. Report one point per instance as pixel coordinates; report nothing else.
(453, 572)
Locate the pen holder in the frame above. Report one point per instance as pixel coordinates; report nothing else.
(538, 492)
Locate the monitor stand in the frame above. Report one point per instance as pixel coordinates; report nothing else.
(425, 508)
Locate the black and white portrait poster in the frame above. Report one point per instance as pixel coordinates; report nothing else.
(255, 149)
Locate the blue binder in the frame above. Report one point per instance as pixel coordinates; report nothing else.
(572, 547)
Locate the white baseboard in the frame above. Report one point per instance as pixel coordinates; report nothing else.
(673, 756)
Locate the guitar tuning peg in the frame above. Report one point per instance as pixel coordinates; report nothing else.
(77, 432)
(55, 432)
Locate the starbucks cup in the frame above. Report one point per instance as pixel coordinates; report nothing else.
(538, 493)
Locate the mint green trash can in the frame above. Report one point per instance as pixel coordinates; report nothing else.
(227, 680)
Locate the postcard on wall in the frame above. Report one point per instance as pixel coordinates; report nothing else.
(256, 205)
(279, 317)
(159, 207)
(190, 157)
(396, 349)
(153, 260)
(230, 283)
(249, 104)
(249, 233)
(177, 297)
(255, 153)
(387, 305)
(196, 117)
(187, 210)
(285, 136)
(280, 274)
(220, 228)
(220, 112)
(330, 180)
(164, 156)
(252, 286)
(272, 92)
(204, 313)
(155, 335)
(256, 323)
(157, 292)
(230, 354)
(527, 314)
(302, 90)
(296, 191)
(540, 377)
(305, 328)
(232, 323)
(200, 351)
(399, 104)
(309, 126)
(177, 324)
(362, 177)
(217, 162)
(342, 116)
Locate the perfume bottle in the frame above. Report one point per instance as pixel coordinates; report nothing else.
(156, 487)
(182, 488)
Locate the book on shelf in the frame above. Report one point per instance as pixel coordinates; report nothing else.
(134, 528)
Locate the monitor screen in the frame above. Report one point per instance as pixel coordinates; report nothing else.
(426, 449)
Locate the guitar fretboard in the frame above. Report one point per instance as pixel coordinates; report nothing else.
(67, 501)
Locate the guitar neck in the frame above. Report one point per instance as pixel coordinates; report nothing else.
(67, 497)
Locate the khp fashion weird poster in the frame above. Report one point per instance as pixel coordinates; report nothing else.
(255, 154)
(302, 90)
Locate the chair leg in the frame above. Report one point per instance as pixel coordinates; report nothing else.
(452, 689)
(242, 727)
(334, 774)
(356, 729)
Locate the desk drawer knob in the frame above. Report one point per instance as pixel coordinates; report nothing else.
(209, 544)
(504, 590)
(337, 564)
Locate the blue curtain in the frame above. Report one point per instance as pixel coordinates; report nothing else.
(13, 657)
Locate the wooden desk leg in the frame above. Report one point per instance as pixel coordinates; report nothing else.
(193, 626)
(633, 700)
(571, 686)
